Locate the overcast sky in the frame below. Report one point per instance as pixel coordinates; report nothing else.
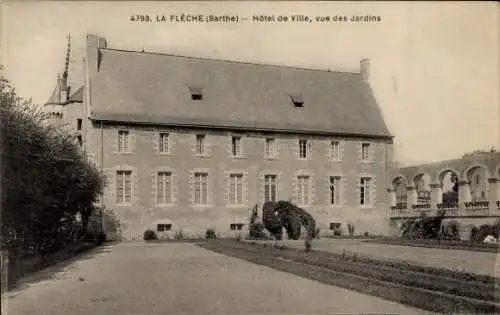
(434, 65)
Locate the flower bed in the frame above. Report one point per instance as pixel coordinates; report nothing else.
(433, 289)
(442, 244)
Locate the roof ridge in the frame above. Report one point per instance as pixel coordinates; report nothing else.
(231, 61)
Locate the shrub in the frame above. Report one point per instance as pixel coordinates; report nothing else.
(179, 235)
(473, 234)
(150, 235)
(238, 237)
(484, 230)
(210, 234)
(102, 237)
(350, 228)
(316, 235)
(367, 233)
(257, 231)
(496, 228)
(451, 231)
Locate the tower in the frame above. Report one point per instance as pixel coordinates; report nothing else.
(61, 92)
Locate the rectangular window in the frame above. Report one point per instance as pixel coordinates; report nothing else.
(270, 147)
(236, 226)
(123, 187)
(335, 147)
(270, 187)
(236, 146)
(201, 188)
(303, 189)
(365, 151)
(163, 227)
(364, 192)
(164, 188)
(303, 149)
(200, 144)
(80, 140)
(123, 137)
(164, 145)
(334, 190)
(196, 93)
(236, 189)
(79, 124)
(477, 179)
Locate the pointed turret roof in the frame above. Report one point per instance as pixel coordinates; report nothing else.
(55, 98)
(60, 93)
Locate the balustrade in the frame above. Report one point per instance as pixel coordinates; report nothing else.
(421, 207)
(477, 205)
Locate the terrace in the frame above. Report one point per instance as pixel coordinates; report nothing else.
(466, 187)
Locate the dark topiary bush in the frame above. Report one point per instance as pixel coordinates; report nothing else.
(257, 231)
(150, 235)
(210, 234)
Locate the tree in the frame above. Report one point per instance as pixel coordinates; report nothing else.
(46, 181)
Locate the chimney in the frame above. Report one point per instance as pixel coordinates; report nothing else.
(94, 42)
(365, 68)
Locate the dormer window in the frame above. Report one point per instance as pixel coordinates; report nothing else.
(297, 99)
(196, 93)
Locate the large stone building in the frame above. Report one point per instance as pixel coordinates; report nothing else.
(191, 143)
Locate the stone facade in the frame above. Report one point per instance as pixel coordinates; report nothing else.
(144, 161)
(355, 151)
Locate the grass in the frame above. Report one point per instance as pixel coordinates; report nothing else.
(433, 289)
(442, 244)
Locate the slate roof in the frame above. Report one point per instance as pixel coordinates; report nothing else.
(56, 97)
(151, 88)
(77, 96)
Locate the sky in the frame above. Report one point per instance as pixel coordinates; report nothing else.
(434, 65)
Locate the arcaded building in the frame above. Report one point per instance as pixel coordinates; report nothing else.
(191, 143)
(466, 188)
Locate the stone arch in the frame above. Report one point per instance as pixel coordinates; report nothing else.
(473, 167)
(399, 183)
(443, 172)
(422, 182)
(397, 177)
(449, 184)
(477, 176)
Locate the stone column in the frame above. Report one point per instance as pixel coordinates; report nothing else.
(391, 193)
(436, 195)
(493, 193)
(412, 197)
(464, 191)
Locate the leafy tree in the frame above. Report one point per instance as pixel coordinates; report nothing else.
(46, 181)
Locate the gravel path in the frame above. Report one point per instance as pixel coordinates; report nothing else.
(138, 278)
